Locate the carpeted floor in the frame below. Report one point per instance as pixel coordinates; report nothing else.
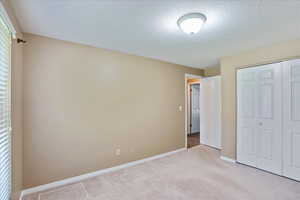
(196, 174)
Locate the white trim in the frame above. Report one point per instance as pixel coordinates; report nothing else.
(228, 159)
(186, 76)
(193, 76)
(93, 174)
(7, 20)
(209, 145)
(213, 77)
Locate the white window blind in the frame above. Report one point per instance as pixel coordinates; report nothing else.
(5, 112)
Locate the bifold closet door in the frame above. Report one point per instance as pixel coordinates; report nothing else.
(269, 118)
(291, 119)
(246, 116)
(259, 117)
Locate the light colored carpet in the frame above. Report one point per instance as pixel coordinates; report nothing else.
(196, 174)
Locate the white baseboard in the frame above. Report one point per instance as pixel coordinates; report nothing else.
(209, 145)
(228, 159)
(93, 174)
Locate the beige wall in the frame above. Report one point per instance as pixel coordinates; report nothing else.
(17, 106)
(212, 71)
(274, 53)
(82, 103)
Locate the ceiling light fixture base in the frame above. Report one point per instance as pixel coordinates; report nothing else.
(191, 23)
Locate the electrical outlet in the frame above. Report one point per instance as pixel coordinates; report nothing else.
(180, 108)
(118, 152)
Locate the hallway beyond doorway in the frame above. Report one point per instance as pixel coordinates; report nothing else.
(193, 140)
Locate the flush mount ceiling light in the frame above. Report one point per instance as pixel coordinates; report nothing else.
(191, 23)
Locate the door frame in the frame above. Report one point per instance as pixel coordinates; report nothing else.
(186, 77)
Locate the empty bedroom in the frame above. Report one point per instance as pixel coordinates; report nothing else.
(148, 99)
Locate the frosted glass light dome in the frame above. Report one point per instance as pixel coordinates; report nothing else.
(191, 23)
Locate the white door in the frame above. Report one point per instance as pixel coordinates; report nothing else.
(246, 118)
(195, 108)
(268, 117)
(205, 111)
(259, 117)
(291, 122)
(217, 112)
(210, 112)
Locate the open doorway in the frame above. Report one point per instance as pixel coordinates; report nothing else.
(192, 110)
(194, 113)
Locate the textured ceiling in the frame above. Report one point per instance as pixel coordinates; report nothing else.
(148, 27)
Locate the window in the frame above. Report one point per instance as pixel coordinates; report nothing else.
(5, 112)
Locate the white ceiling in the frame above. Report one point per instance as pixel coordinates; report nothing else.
(148, 27)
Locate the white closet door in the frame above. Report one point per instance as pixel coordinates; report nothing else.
(246, 117)
(291, 122)
(259, 117)
(269, 116)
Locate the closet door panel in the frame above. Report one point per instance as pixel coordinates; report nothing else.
(269, 115)
(246, 120)
(291, 122)
(266, 104)
(259, 117)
